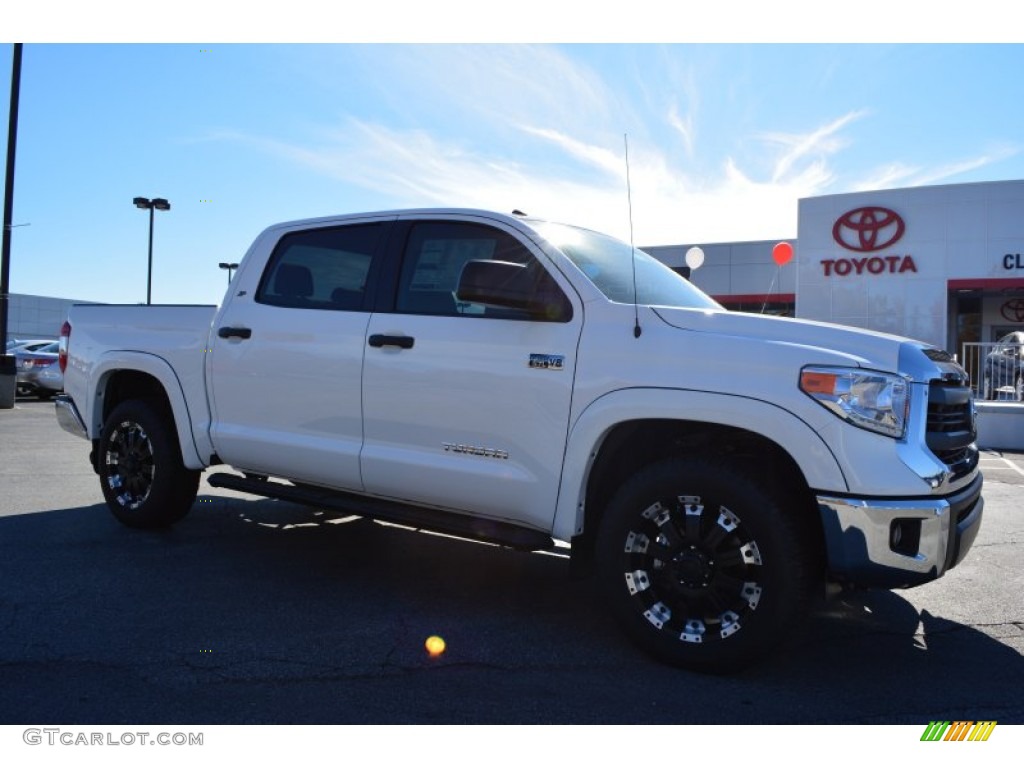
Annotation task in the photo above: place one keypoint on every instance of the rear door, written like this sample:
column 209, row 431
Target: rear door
column 466, row 407
column 286, row 362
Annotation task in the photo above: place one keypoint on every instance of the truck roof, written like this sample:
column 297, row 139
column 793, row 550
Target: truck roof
column 393, row 213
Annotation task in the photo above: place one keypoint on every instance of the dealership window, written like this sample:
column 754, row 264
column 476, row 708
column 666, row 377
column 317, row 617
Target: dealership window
column 982, row 313
column 781, row 305
column 966, row 306
column 779, row 308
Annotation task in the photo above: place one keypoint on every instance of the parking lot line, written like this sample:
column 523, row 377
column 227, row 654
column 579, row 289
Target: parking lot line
column 995, row 456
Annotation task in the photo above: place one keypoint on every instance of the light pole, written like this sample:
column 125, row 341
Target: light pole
column 156, row 204
column 230, row 267
column 8, row 372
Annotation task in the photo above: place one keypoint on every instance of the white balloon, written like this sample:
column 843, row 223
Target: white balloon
column 694, row 257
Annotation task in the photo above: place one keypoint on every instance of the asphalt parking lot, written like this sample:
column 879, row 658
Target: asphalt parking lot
column 253, row 611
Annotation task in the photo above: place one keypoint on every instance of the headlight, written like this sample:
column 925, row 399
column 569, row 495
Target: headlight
column 875, row 401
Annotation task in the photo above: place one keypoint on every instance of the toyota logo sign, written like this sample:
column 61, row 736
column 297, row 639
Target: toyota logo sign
column 1013, row 310
column 868, row 229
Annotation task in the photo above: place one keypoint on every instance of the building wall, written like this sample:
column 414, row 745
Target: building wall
column 36, row 317
column 742, row 269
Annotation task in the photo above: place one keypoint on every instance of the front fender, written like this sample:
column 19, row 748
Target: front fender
column 597, row 420
column 141, row 362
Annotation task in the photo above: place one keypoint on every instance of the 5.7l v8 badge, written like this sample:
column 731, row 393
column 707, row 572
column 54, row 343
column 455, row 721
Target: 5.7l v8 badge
column 551, row 362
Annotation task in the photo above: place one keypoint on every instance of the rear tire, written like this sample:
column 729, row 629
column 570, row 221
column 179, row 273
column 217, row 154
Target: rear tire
column 700, row 565
column 144, row 481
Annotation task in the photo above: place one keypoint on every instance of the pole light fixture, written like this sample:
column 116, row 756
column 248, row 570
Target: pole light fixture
column 156, row 204
column 230, row 267
column 8, row 372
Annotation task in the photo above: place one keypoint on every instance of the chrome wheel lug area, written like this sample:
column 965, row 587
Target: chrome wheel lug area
column 692, row 568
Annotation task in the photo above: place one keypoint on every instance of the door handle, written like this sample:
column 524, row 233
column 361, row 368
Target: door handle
column 227, row 332
column 380, row 340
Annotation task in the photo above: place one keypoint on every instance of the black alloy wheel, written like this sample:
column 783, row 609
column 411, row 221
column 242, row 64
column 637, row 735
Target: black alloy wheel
column 128, row 461
column 701, row 567
column 693, row 572
column 143, row 478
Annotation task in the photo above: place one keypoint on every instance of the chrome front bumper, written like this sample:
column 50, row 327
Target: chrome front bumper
column 899, row 543
column 69, row 418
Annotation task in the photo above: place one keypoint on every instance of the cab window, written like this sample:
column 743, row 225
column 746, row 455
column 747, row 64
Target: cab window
column 433, row 259
column 321, row 268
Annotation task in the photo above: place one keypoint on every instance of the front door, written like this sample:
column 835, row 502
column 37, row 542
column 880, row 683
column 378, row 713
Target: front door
column 467, row 407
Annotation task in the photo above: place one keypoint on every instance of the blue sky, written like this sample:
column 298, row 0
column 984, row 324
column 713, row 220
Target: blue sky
column 723, row 140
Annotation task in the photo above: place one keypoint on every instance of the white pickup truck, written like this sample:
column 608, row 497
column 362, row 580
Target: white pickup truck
column 525, row 382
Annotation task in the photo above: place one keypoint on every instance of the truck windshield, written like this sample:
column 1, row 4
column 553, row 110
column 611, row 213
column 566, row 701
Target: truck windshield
column 608, row 263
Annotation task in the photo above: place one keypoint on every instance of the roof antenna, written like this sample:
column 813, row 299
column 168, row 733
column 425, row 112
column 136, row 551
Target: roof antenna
column 632, row 248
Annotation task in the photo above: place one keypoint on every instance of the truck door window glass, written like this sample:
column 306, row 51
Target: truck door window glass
column 436, row 252
column 321, row 268
column 611, row 264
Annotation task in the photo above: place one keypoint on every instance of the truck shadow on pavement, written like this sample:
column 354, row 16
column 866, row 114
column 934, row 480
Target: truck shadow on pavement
column 265, row 612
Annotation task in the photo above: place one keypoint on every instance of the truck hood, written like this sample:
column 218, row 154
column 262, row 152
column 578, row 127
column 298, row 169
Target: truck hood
column 862, row 348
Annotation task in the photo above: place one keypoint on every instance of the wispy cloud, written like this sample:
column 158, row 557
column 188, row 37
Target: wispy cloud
column 889, row 175
column 536, row 128
column 601, row 158
column 899, row 174
column 952, row 170
column 819, row 143
column 494, row 86
column 533, row 128
column 669, row 205
column 683, row 126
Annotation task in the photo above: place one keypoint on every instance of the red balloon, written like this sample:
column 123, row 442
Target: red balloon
column 782, row 253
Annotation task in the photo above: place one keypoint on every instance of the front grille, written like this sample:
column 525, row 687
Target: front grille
column 951, row 431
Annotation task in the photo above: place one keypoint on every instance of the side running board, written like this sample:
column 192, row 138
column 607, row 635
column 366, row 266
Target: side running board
column 479, row 529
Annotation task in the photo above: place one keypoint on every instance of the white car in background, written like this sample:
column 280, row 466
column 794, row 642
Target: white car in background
column 38, row 371
column 23, row 345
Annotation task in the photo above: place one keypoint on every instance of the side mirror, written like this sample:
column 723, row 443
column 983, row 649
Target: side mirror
column 496, row 284
column 516, row 287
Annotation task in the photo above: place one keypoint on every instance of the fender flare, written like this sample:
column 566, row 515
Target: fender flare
column 155, row 366
column 590, row 429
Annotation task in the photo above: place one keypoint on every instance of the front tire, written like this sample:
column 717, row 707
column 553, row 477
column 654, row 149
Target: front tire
column 700, row 565
column 144, row 481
